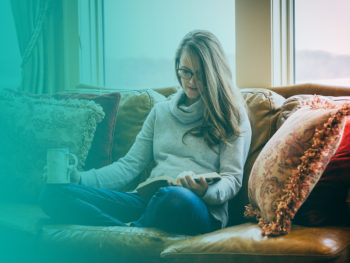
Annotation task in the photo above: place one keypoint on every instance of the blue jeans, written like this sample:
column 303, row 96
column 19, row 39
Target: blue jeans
column 172, row 209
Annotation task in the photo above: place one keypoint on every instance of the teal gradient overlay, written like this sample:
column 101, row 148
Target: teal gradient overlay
column 19, row 213
column 23, row 157
column 139, row 48
column 10, row 58
column 10, row 76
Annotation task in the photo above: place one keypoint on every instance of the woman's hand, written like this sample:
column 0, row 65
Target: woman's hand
column 75, row 176
column 199, row 187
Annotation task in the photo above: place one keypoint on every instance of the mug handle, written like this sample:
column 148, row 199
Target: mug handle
column 75, row 164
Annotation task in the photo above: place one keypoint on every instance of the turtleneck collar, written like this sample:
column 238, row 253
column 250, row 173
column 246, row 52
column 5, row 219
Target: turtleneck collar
column 186, row 114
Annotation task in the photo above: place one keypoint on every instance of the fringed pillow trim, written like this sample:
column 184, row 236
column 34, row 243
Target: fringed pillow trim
column 251, row 211
column 296, row 191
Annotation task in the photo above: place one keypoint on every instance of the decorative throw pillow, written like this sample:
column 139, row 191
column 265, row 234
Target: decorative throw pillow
column 32, row 125
column 100, row 153
column 291, row 104
column 326, row 204
column 291, row 163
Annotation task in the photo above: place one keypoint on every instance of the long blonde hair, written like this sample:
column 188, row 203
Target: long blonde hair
column 223, row 101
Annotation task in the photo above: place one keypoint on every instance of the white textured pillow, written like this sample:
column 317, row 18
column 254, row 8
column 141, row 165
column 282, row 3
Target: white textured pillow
column 30, row 126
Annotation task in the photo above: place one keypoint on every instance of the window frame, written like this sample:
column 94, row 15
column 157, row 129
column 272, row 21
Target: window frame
column 264, row 43
column 283, row 45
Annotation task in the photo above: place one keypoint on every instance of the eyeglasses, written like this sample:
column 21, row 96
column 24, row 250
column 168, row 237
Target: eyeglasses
column 187, row 74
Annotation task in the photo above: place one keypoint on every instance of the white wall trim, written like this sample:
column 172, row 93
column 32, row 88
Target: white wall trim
column 253, row 43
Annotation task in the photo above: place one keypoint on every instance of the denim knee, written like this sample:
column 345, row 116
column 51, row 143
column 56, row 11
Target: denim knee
column 177, row 209
column 177, row 199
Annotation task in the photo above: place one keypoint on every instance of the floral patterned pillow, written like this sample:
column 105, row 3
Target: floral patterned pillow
column 32, row 125
column 291, row 163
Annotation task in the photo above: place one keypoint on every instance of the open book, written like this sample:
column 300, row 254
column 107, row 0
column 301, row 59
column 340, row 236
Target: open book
column 149, row 187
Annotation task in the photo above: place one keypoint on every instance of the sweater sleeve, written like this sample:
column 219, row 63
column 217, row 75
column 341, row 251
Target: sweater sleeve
column 232, row 160
column 120, row 173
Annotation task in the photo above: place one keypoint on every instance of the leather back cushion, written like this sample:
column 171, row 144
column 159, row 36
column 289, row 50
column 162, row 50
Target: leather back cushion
column 133, row 109
column 264, row 111
column 132, row 112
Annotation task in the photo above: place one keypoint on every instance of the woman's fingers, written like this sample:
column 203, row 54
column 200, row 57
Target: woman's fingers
column 203, row 182
column 184, row 182
column 185, row 179
column 191, row 183
column 199, row 187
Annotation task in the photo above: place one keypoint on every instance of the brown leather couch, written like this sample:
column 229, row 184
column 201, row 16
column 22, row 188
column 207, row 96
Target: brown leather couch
column 26, row 236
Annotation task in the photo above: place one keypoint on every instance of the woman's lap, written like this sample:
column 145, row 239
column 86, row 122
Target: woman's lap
column 172, row 209
column 83, row 204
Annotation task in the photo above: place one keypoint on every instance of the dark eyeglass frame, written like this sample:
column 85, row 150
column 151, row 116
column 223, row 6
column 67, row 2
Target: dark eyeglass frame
column 185, row 73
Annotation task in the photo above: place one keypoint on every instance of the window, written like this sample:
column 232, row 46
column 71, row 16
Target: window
column 141, row 37
column 322, row 42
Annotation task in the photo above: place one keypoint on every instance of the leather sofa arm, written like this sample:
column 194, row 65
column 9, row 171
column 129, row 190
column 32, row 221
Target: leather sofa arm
column 244, row 243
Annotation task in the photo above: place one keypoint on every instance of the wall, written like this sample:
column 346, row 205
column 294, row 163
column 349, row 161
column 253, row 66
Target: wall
column 253, row 43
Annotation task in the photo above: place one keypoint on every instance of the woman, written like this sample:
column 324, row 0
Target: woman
column 203, row 128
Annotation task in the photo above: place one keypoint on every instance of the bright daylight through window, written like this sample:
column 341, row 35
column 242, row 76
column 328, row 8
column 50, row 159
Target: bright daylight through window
column 141, row 38
column 322, row 42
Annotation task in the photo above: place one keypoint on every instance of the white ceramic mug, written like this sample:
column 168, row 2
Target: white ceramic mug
column 58, row 165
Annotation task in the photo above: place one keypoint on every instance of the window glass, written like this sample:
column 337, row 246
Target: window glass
column 322, row 41
column 141, row 37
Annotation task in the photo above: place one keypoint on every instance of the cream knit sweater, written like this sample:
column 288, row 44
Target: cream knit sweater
column 160, row 139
